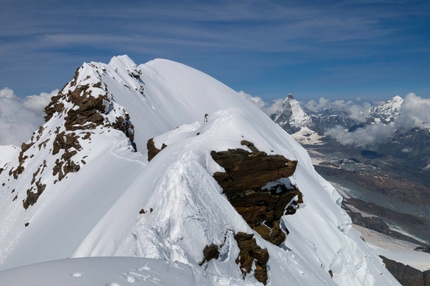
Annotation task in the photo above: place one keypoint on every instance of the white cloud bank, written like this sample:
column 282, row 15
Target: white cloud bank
column 355, row 111
column 20, row 117
column 268, row 108
column 414, row 113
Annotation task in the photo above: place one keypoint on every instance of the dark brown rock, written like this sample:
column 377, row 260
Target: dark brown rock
column 152, row 150
column 246, row 174
column 21, row 159
column 69, row 143
column 250, row 253
column 210, row 252
column 407, row 275
column 33, row 197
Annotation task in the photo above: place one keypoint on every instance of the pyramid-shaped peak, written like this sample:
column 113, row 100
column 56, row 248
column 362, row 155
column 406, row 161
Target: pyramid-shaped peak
column 289, row 98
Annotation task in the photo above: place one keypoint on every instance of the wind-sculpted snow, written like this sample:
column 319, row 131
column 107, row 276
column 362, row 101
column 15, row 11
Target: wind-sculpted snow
column 171, row 208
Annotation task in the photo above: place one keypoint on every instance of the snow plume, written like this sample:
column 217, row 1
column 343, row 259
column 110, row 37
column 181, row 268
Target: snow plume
column 414, row 113
column 268, row 108
column 20, row 117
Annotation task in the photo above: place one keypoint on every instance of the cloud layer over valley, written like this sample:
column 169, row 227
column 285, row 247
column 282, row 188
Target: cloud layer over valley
column 414, row 113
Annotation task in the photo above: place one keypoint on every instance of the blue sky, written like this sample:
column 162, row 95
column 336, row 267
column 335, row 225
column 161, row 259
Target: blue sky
column 333, row 49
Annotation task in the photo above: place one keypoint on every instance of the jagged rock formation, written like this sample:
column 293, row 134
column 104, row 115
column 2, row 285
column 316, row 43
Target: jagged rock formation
column 83, row 106
column 407, row 275
column 152, row 150
column 245, row 183
column 251, row 255
column 210, row 252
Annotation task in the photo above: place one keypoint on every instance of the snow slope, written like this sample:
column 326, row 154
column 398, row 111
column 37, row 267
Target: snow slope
column 110, row 271
column 169, row 209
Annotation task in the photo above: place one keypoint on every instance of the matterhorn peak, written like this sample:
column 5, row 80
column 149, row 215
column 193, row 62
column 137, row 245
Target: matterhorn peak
column 289, row 98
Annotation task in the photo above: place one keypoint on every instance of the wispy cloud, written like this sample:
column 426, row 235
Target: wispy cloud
column 334, row 33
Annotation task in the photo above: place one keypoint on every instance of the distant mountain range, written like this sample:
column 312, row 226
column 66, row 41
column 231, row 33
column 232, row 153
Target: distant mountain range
column 380, row 160
column 409, row 146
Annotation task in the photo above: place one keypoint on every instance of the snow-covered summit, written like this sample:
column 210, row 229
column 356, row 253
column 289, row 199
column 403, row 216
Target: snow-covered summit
column 83, row 186
column 387, row 111
column 293, row 115
column 293, row 119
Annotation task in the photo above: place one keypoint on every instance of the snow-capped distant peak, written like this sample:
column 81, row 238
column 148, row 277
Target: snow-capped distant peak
column 292, row 117
column 387, row 111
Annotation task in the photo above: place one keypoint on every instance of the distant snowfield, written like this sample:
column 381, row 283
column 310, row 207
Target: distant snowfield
column 394, row 249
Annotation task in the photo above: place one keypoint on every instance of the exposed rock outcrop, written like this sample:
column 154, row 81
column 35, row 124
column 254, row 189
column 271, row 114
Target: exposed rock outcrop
column 152, row 150
column 251, row 254
column 210, row 252
column 81, row 109
column 21, row 159
column 245, row 183
column 88, row 112
column 32, row 197
column 407, row 275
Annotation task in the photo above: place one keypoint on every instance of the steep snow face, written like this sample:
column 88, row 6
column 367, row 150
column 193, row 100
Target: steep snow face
column 299, row 118
column 119, row 204
column 387, row 111
column 67, row 175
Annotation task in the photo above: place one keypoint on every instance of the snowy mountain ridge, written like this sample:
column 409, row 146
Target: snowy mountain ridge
column 387, row 111
column 78, row 188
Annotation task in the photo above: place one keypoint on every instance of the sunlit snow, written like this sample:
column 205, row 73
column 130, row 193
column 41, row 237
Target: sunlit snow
column 97, row 211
